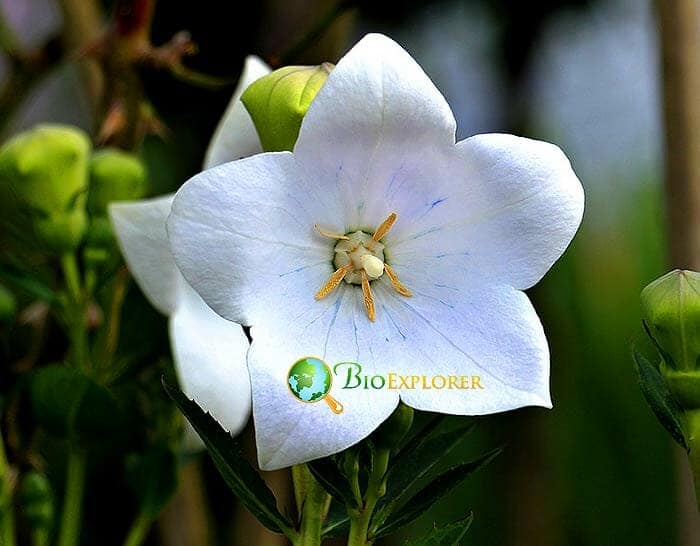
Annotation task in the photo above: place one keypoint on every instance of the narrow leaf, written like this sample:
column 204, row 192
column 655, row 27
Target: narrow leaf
column 448, row 535
column 28, row 283
column 434, row 491
column 332, row 480
column 406, row 471
column 660, row 399
column 337, row 523
column 238, row 474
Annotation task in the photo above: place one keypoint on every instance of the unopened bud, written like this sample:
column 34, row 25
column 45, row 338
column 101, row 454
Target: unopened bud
column 36, row 499
column 115, row 176
column 278, row 102
column 43, row 174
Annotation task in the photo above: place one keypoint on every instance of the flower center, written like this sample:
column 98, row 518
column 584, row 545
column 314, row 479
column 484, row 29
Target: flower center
column 365, row 254
column 359, row 259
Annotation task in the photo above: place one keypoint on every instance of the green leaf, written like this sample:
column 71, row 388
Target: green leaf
column 409, row 467
column 337, row 522
column 660, row 399
column 152, row 477
column 28, row 283
column 430, row 425
column 332, row 479
column 68, row 403
column 448, row 535
column 238, row 474
column 434, row 491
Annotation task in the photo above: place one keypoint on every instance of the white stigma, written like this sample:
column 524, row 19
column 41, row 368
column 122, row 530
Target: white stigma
column 364, row 254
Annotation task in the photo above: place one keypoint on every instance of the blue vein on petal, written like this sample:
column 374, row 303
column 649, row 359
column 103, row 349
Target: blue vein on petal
column 330, row 326
column 391, row 319
column 457, row 347
column 299, row 269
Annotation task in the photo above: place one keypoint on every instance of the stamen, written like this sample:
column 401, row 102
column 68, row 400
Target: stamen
column 384, row 227
column 396, row 283
column 329, row 234
column 334, row 280
column 368, row 297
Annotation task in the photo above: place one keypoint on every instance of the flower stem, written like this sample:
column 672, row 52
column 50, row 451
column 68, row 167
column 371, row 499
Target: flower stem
column 7, row 518
column 139, row 531
column 312, row 503
column 75, row 311
column 693, row 423
column 361, row 517
column 73, row 499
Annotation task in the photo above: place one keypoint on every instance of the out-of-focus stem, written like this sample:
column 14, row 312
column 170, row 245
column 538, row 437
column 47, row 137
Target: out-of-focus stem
column 139, row 531
column 680, row 59
column 7, row 518
column 71, row 517
column 680, row 56
column 693, row 425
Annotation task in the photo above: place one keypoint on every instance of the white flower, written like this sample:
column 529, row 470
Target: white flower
column 464, row 228
column 209, row 351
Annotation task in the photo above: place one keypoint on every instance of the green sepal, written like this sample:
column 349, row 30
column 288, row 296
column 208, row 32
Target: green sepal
column 278, row 102
column 447, row 535
column 434, row 491
column 152, row 477
column 410, row 466
column 226, row 452
column 332, row 479
column 115, row 175
column 660, row 399
column 69, row 404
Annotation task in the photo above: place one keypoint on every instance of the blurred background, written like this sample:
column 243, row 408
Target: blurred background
column 585, row 74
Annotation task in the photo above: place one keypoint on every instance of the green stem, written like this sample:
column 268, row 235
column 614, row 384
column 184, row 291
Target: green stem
column 312, row 503
column 139, row 531
column 361, row 517
column 73, row 499
column 75, row 311
column 693, row 423
column 7, row 518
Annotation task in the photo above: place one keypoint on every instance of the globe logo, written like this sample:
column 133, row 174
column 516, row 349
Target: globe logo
column 310, row 380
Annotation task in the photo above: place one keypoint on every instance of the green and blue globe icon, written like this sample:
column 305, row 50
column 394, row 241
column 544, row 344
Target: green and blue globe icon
column 310, row 381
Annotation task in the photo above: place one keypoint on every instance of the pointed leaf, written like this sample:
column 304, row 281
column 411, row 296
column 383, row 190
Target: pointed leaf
column 337, row 523
column 331, row 477
column 434, row 491
column 238, row 474
column 448, row 535
column 406, row 470
column 660, row 399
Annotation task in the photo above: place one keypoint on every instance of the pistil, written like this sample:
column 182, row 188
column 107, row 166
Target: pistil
column 359, row 258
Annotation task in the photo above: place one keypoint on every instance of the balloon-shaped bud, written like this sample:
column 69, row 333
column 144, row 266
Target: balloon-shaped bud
column 671, row 314
column 278, row 102
column 115, row 176
column 43, row 176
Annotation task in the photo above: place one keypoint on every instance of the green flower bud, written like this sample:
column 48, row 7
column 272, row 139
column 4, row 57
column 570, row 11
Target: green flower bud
column 100, row 233
column 8, row 305
column 392, row 431
column 671, row 313
column 115, row 176
column 43, row 174
column 36, row 500
column 278, row 102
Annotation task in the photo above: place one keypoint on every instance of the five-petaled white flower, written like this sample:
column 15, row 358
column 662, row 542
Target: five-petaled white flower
column 381, row 241
column 209, row 351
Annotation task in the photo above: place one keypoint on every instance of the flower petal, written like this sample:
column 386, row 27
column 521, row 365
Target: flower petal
column 210, row 360
column 242, row 233
column 140, row 230
column 512, row 209
column 235, row 136
column 373, row 123
column 289, row 431
column 492, row 332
